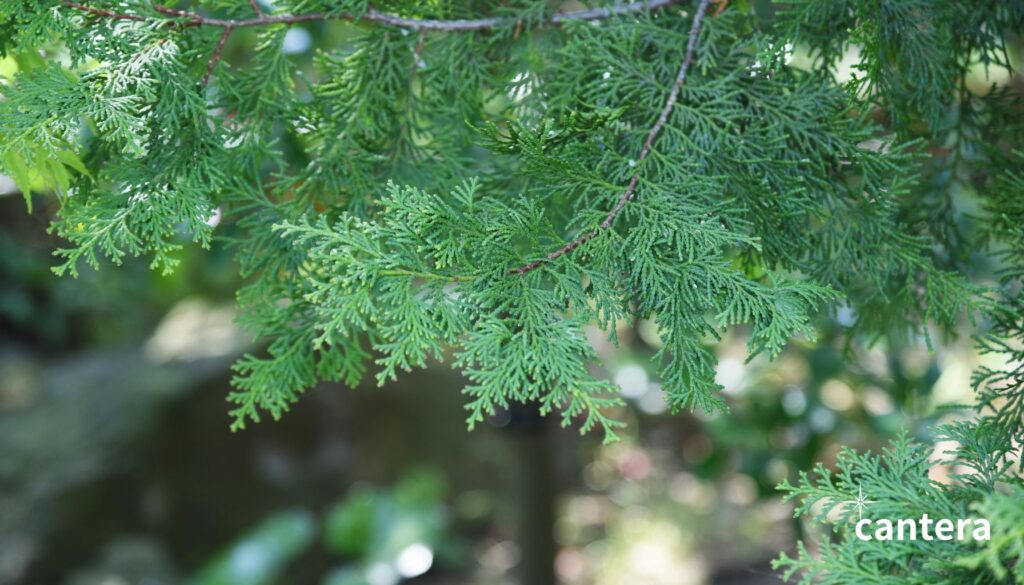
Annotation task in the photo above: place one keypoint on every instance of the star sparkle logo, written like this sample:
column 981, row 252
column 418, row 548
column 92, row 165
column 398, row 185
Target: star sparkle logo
column 861, row 502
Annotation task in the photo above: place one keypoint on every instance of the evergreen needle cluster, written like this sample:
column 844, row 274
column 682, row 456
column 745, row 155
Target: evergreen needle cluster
column 489, row 182
column 915, row 64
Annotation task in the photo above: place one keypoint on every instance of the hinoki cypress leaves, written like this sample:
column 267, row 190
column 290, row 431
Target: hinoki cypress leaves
column 483, row 182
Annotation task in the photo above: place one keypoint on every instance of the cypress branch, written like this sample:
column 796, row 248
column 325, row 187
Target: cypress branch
column 652, row 135
column 390, row 197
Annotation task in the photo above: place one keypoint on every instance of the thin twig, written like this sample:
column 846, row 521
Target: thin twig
column 373, row 15
column 195, row 19
column 215, row 57
column 648, row 144
column 602, row 13
column 256, row 7
column 102, row 12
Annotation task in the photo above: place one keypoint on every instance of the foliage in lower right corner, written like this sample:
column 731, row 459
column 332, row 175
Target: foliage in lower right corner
column 897, row 483
column 1003, row 556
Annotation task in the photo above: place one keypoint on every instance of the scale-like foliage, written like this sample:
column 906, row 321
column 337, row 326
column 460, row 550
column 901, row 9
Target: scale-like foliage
column 484, row 182
column 491, row 183
column 1001, row 555
column 897, row 484
column 916, row 59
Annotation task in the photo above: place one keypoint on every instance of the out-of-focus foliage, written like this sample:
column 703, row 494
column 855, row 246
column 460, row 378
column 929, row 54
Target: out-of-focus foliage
column 1001, row 555
column 384, row 535
column 395, row 532
column 387, row 535
column 260, row 557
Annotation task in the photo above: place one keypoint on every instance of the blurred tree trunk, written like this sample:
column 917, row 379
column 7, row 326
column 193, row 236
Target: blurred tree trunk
column 536, row 493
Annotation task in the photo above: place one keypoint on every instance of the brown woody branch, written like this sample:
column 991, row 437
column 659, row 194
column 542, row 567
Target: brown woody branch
column 371, row 15
column 422, row 25
column 102, row 12
column 628, row 193
column 215, row 57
